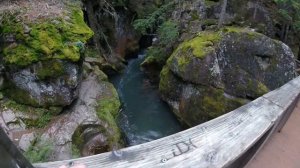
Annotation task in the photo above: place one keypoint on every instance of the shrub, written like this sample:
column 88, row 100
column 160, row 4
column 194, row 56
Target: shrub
column 168, row 32
column 149, row 23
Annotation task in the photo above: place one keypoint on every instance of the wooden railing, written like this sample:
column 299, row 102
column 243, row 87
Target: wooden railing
column 230, row 140
column 227, row 141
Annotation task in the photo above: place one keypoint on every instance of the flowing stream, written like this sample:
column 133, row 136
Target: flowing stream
column 145, row 117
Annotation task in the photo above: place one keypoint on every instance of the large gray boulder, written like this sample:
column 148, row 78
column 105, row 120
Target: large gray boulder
column 45, row 84
column 217, row 72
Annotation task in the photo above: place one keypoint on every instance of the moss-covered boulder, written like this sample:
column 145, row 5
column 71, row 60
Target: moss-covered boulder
column 41, row 55
column 216, row 72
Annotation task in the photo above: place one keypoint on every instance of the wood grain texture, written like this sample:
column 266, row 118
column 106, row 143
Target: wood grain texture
column 216, row 143
column 283, row 149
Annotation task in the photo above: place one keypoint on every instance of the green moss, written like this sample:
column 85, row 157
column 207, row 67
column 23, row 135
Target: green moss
column 40, row 122
column 250, row 34
column 50, row 39
column 210, row 4
column 107, row 111
column 164, row 74
column 78, row 139
column 199, row 47
column 92, row 52
column 28, row 109
column 79, row 31
column 214, row 103
column 50, row 69
column 75, row 152
column 183, row 62
column 19, row 54
column 207, row 104
column 256, row 88
column 262, row 89
column 39, row 153
column 209, row 22
column 11, row 25
column 71, row 53
column 43, row 115
column 194, row 15
column 18, row 94
column 202, row 44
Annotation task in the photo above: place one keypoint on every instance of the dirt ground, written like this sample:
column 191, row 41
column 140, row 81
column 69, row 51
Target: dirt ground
column 33, row 9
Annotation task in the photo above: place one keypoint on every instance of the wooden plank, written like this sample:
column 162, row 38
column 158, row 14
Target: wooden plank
column 282, row 150
column 216, row 143
column 201, row 146
column 286, row 94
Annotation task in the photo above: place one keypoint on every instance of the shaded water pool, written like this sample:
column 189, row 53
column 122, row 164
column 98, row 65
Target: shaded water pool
column 144, row 116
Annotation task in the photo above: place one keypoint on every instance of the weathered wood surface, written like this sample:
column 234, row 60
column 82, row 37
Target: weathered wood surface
column 213, row 144
column 283, row 148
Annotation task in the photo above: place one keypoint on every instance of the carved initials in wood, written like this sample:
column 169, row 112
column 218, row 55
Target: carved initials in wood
column 183, row 147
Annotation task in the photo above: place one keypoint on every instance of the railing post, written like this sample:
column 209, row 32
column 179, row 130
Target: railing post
column 12, row 151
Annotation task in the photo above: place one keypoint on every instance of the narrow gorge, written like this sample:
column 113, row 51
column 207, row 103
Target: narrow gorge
column 79, row 78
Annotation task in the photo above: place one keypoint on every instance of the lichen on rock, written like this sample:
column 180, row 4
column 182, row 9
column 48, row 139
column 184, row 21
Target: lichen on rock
column 46, row 39
column 215, row 72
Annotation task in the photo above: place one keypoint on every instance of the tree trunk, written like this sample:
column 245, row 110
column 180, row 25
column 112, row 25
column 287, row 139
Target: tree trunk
column 222, row 14
column 255, row 10
column 298, row 53
column 287, row 29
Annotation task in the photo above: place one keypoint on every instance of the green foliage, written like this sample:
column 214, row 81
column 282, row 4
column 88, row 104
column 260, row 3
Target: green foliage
column 50, row 39
column 39, row 153
column 40, row 116
column 28, row 109
column 92, row 52
column 285, row 14
column 153, row 20
column 168, row 32
column 154, row 55
column 40, row 122
column 290, row 12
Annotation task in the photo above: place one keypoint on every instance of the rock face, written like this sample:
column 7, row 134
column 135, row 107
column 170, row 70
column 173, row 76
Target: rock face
column 32, row 86
column 89, row 124
column 190, row 14
column 217, row 72
column 41, row 56
column 114, row 34
column 263, row 16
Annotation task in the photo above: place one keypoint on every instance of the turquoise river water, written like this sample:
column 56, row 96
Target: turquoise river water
column 144, row 116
